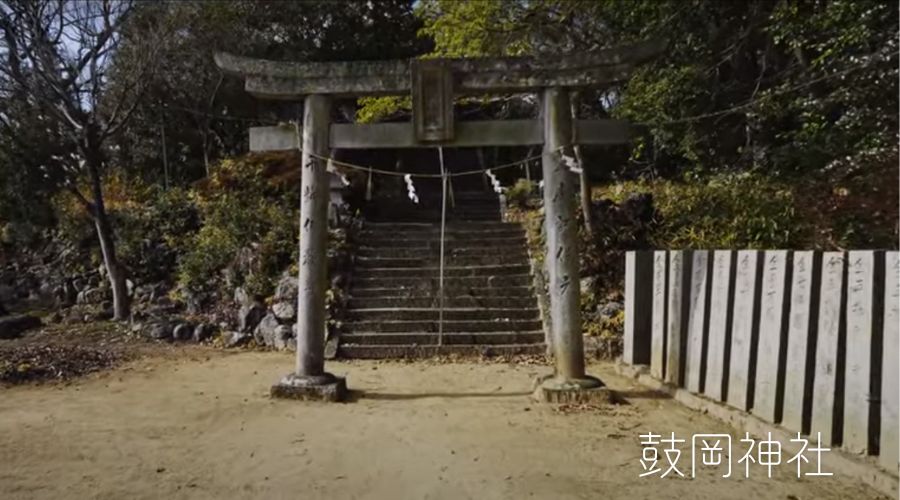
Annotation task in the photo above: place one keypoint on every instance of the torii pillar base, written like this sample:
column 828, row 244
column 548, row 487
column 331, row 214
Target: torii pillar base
column 325, row 387
column 587, row 390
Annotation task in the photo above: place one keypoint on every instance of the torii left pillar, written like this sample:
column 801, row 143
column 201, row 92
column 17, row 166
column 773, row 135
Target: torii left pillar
column 310, row 380
column 569, row 383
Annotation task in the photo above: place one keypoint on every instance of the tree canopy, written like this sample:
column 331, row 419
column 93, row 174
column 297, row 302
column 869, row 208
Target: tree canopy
column 786, row 87
column 781, row 85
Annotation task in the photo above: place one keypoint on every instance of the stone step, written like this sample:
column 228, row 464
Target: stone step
column 434, row 199
column 451, row 260
column 433, row 272
column 432, row 282
column 434, row 205
column 491, row 338
column 380, row 237
column 434, row 243
column 415, row 326
column 425, row 289
column 449, row 302
column 455, row 314
column 418, row 352
column 433, row 252
column 433, row 231
column 429, row 203
column 466, row 227
column 437, row 219
column 490, row 307
column 413, row 209
column 436, row 194
column 417, row 214
column 401, row 240
column 461, row 207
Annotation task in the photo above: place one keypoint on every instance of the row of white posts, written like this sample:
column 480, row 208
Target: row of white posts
column 804, row 339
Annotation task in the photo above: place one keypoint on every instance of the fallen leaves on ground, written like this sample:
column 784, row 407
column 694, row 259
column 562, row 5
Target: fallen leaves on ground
column 29, row 363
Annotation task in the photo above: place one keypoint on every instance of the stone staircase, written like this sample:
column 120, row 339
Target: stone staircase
column 490, row 306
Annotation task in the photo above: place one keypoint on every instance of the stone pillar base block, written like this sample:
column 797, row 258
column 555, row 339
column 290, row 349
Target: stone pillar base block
column 587, row 390
column 325, row 387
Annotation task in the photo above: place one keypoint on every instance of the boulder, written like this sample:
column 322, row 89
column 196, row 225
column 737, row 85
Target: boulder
column 249, row 316
column 241, row 297
column 45, row 290
column 69, row 293
column 12, row 327
column 265, row 331
column 203, row 331
column 286, row 289
column 235, row 339
column 183, row 332
column 283, row 337
column 7, row 293
column 159, row 330
column 284, row 311
column 194, row 302
column 588, row 284
column 165, row 302
column 331, row 347
column 93, row 295
column 609, row 309
column 639, row 207
column 42, row 295
column 157, row 292
column 105, row 313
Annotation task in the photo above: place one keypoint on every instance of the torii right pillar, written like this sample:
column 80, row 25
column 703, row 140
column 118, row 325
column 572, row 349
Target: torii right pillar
column 569, row 383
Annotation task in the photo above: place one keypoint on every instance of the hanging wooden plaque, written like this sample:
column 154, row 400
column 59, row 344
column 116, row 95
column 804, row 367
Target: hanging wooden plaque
column 432, row 99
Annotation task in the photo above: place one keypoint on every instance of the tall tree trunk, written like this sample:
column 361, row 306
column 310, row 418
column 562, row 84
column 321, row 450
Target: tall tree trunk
column 583, row 176
column 114, row 270
column 165, row 154
column 585, row 192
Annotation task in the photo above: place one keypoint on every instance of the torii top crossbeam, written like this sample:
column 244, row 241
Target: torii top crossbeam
column 433, row 84
column 292, row 80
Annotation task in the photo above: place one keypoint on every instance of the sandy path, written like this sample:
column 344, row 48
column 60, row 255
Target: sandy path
column 195, row 428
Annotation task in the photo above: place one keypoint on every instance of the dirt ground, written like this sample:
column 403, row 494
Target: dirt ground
column 199, row 424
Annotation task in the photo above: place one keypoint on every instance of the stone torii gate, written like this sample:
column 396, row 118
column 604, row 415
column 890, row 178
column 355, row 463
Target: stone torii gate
column 433, row 84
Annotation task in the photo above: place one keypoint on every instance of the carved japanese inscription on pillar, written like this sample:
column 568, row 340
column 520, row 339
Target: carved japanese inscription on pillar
column 432, row 99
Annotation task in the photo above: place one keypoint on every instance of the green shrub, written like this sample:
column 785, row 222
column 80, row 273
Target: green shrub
column 152, row 231
column 519, row 194
column 249, row 228
column 238, row 227
column 746, row 210
column 150, row 225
